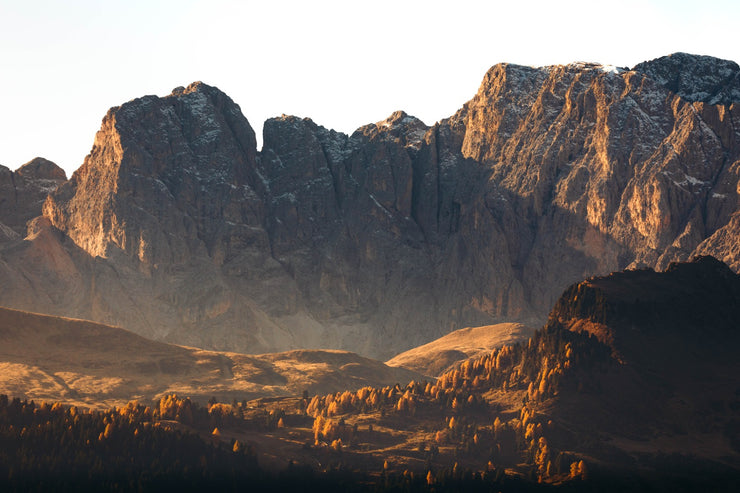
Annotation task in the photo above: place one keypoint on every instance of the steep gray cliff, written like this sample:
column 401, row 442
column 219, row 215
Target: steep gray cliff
column 177, row 228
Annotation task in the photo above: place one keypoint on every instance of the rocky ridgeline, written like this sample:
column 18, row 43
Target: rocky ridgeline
column 394, row 235
column 699, row 297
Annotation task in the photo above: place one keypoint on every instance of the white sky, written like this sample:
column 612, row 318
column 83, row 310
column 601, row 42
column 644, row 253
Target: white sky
column 341, row 63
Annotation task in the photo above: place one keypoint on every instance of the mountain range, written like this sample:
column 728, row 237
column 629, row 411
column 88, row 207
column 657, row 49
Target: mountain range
column 177, row 228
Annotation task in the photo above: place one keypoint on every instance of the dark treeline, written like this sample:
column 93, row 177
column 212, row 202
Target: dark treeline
column 52, row 447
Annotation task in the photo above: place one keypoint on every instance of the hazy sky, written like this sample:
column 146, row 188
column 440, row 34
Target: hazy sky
column 343, row 63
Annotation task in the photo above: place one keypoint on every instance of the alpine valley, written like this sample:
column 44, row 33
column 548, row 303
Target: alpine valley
column 598, row 204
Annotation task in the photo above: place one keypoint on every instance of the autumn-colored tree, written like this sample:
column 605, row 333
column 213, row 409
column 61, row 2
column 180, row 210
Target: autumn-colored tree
column 108, row 431
column 578, row 470
column 439, row 437
column 582, row 470
column 332, row 409
column 430, row 478
column 313, row 406
column 318, row 427
column 497, row 425
column 542, row 457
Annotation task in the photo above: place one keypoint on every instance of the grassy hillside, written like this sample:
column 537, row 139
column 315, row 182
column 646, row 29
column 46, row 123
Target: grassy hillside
column 440, row 355
column 94, row 365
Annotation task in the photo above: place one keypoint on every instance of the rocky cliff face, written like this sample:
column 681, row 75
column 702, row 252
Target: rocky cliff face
column 23, row 192
column 176, row 227
column 168, row 179
column 609, row 168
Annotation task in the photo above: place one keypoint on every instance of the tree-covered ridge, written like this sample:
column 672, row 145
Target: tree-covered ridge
column 631, row 370
column 482, row 432
column 702, row 295
column 178, row 440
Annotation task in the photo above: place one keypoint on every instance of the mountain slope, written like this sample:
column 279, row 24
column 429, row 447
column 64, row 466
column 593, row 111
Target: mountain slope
column 638, row 369
column 81, row 362
column 178, row 229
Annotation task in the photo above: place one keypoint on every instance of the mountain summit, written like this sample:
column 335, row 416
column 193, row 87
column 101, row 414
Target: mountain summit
column 696, row 78
column 165, row 179
column 177, row 228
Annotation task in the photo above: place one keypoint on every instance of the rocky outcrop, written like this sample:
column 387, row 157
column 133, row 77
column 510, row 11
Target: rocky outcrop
column 177, row 228
column 167, row 179
column 690, row 296
column 23, row 192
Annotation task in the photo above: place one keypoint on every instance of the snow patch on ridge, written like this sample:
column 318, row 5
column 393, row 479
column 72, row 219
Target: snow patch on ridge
column 607, row 69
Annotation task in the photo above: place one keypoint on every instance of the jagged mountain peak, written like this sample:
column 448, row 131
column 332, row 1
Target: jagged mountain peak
column 696, row 78
column 197, row 86
column 515, row 73
column 399, row 126
column 22, row 193
column 292, row 121
column 294, row 134
column 501, row 72
column 584, row 66
column 399, row 118
column 191, row 153
column 200, row 110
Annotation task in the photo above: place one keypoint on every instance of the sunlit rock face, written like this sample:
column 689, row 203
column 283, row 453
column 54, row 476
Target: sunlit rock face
column 177, row 228
column 167, row 179
column 597, row 168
